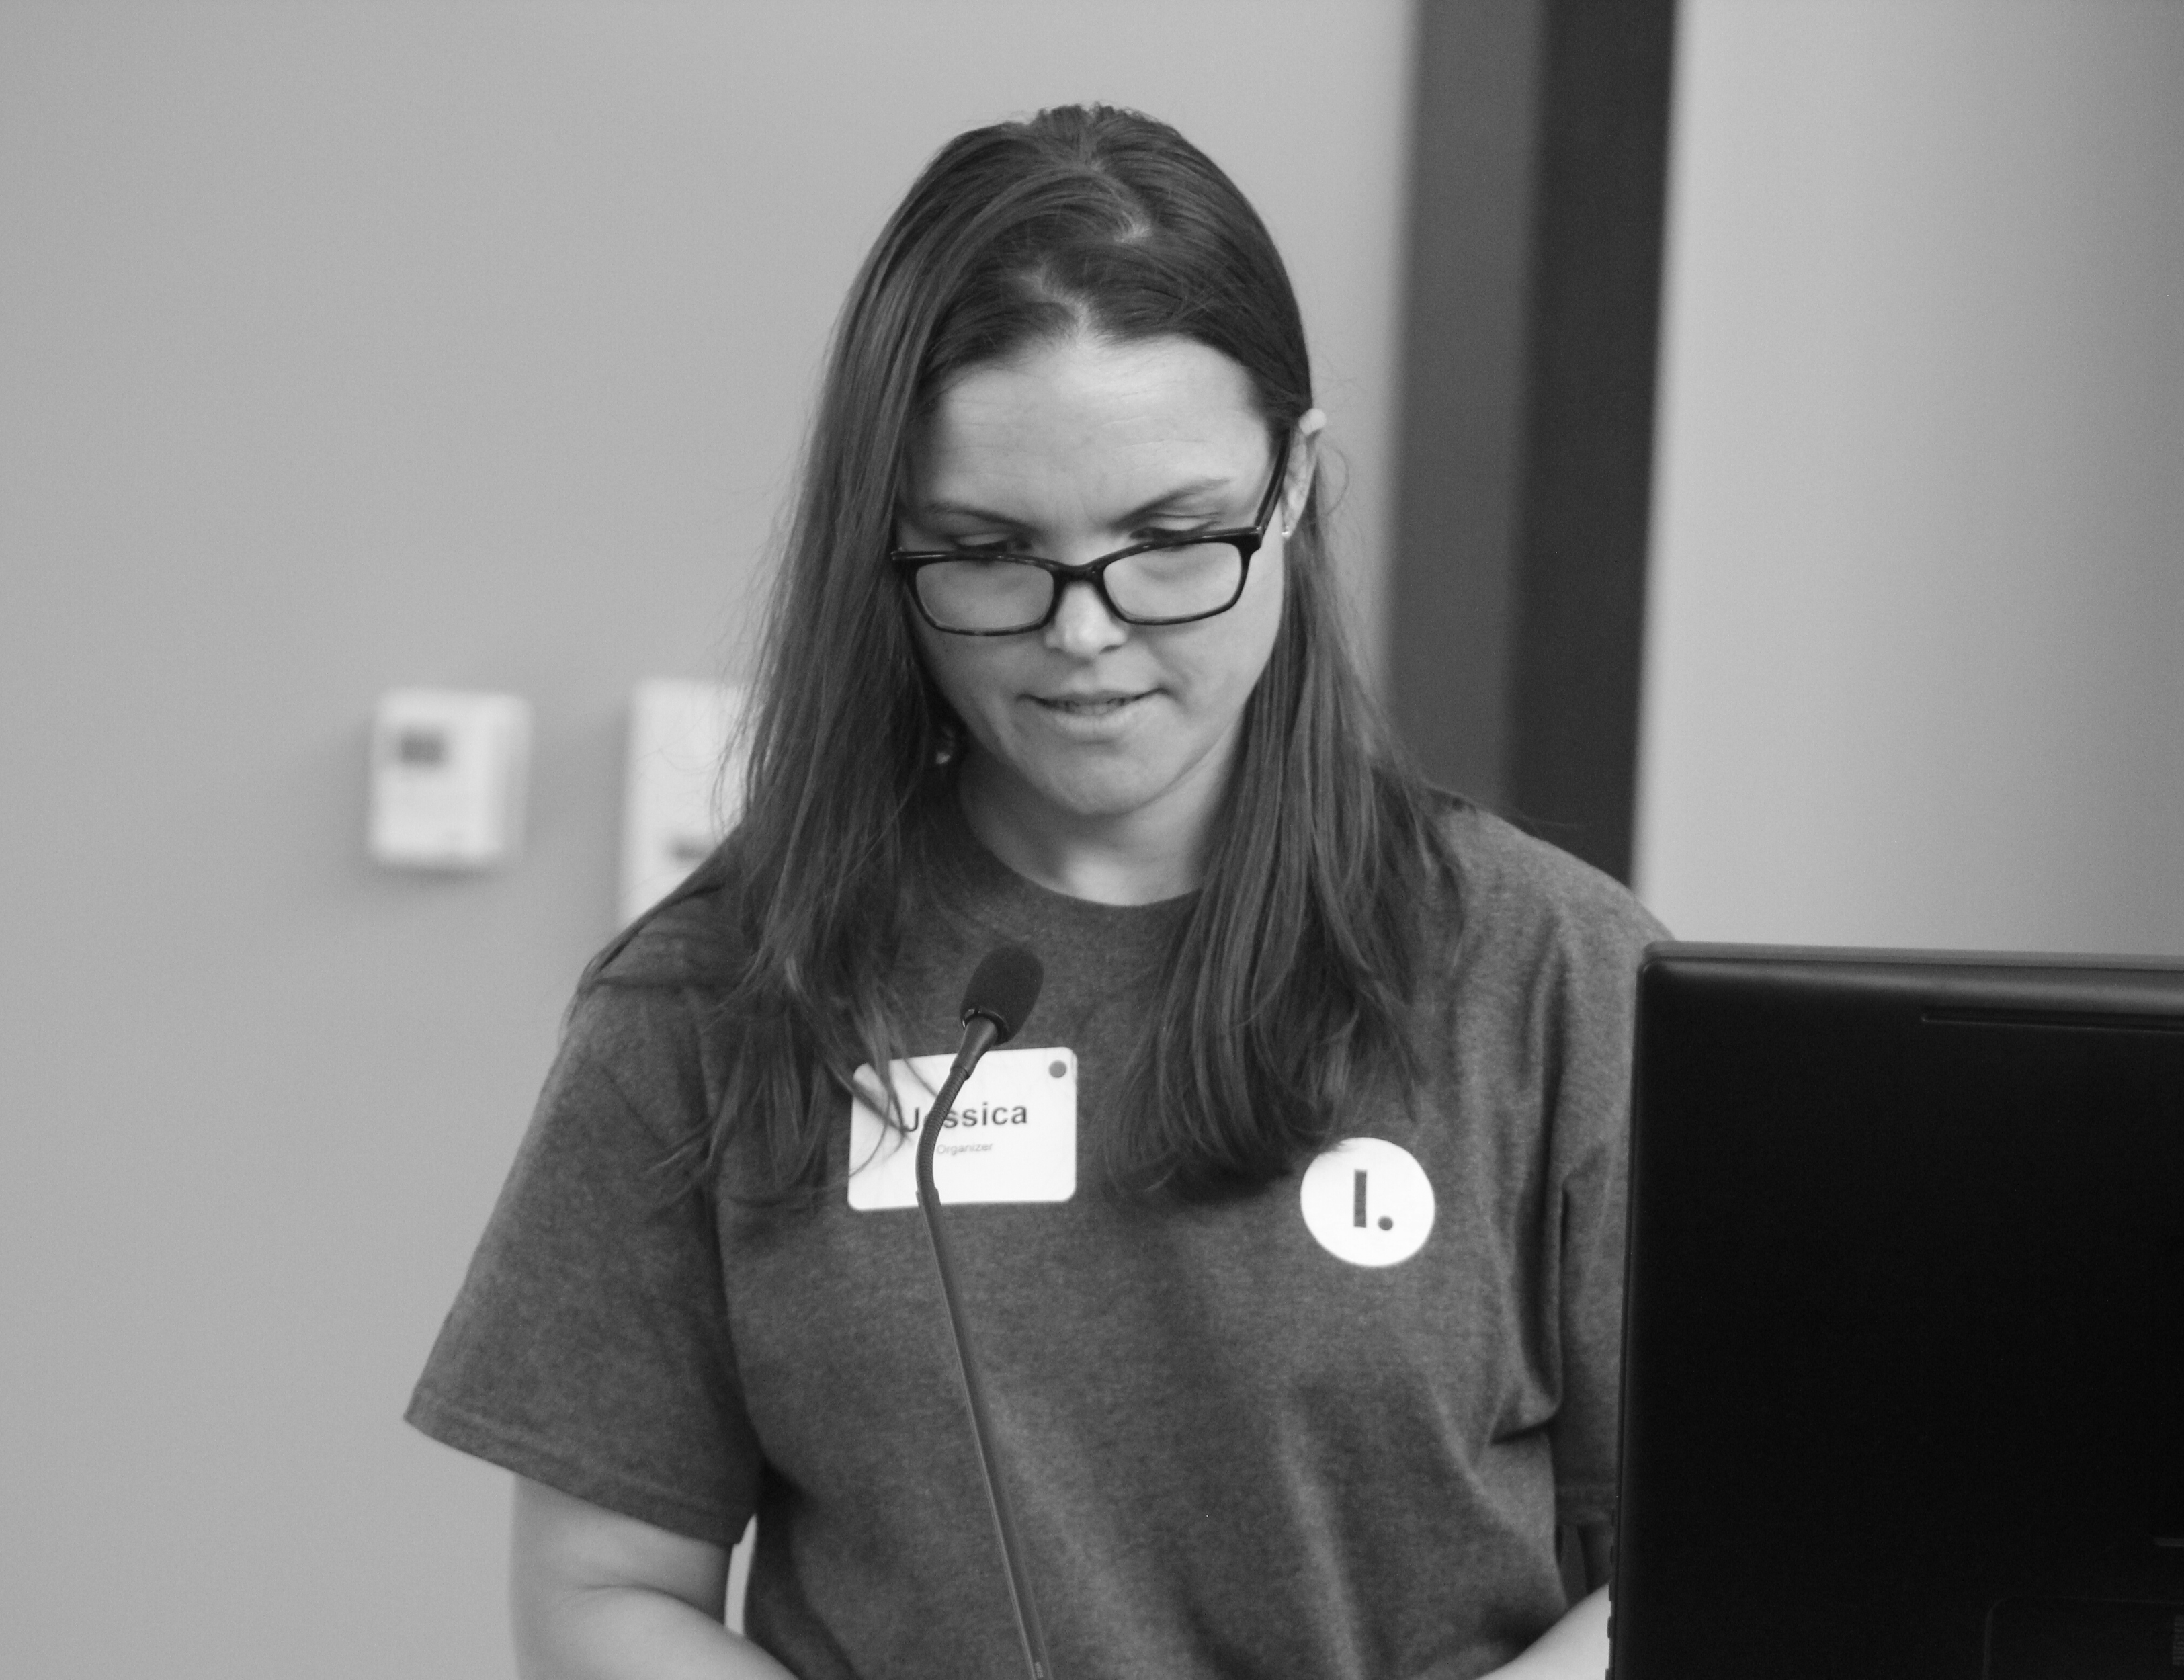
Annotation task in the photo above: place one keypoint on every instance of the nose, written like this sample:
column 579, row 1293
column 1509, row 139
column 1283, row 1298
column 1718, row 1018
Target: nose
column 1082, row 625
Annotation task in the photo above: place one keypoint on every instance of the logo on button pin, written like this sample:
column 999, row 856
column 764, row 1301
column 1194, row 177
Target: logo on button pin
column 1367, row 1201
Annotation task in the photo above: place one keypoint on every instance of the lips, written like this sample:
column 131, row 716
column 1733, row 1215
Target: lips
column 1102, row 703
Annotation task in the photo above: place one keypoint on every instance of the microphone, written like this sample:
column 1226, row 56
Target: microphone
column 995, row 1004
column 998, row 1001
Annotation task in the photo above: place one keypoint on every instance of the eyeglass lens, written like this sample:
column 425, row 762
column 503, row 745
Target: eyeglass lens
column 1189, row 580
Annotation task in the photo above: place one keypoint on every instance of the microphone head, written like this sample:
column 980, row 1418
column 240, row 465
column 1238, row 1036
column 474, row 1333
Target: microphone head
column 1003, row 989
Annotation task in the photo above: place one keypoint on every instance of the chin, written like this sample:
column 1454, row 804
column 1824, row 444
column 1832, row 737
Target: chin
column 1104, row 799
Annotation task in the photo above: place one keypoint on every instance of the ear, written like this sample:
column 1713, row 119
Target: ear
column 1304, row 462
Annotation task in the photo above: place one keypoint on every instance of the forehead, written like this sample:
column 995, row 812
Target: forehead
column 1090, row 414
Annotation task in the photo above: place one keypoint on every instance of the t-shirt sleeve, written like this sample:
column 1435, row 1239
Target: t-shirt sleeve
column 588, row 1347
column 1590, row 1166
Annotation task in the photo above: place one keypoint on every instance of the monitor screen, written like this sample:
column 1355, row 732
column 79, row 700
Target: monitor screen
column 1904, row 1337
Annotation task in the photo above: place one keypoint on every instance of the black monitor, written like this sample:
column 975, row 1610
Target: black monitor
column 1903, row 1381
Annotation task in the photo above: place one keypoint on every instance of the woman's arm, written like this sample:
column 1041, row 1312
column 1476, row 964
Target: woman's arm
column 1573, row 1649
column 599, row 1596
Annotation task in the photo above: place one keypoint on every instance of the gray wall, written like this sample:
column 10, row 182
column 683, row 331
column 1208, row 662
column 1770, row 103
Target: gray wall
column 1915, row 673
column 344, row 347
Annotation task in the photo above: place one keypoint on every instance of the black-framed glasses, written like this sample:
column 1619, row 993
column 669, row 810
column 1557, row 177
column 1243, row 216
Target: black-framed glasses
column 1167, row 580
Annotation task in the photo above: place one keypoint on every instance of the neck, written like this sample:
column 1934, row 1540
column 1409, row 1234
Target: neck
column 1140, row 857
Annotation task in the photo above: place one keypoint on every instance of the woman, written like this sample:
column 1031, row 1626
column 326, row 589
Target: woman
column 1055, row 658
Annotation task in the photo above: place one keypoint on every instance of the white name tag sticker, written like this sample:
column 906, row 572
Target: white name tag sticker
column 1012, row 1136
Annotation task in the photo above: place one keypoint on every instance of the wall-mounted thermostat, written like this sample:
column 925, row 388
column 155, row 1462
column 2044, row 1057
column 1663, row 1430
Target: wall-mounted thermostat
column 684, row 792
column 447, row 774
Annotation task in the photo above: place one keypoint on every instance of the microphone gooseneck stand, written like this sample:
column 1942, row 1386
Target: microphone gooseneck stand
column 999, row 998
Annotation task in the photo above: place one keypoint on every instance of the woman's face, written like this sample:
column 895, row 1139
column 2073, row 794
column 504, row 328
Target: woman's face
column 1070, row 451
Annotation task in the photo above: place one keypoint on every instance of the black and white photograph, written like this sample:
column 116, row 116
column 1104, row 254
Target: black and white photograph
column 1092, row 839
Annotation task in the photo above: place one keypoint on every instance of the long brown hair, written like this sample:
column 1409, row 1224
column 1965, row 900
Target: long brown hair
column 1291, row 975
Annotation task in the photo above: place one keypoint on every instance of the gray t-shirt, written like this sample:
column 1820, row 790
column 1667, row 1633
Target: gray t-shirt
column 1233, row 1451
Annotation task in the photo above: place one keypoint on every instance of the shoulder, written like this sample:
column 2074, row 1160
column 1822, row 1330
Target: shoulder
column 1526, row 905
column 1542, row 985
column 691, row 938
column 645, row 1016
column 700, row 935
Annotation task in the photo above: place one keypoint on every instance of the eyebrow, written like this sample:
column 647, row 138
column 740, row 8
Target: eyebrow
column 1181, row 493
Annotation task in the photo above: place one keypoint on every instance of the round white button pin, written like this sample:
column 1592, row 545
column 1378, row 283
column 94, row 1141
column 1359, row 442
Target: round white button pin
column 1369, row 1202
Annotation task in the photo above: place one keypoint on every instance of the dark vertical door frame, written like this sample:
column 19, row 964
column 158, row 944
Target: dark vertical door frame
column 1516, row 594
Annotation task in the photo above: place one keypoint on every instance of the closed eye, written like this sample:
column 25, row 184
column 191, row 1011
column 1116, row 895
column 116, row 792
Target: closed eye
column 1195, row 534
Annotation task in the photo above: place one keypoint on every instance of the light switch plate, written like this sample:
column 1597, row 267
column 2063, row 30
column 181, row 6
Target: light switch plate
column 683, row 793
column 448, row 770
